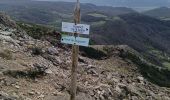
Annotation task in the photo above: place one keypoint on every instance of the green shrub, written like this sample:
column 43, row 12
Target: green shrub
column 6, row 54
column 36, row 51
column 92, row 53
column 36, row 31
column 152, row 72
column 108, row 50
column 31, row 73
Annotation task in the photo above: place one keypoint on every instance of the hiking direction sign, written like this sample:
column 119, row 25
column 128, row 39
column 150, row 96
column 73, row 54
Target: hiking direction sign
column 79, row 29
column 75, row 40
column 72, row 28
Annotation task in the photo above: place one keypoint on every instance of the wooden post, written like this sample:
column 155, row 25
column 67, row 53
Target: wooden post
column 75, row 52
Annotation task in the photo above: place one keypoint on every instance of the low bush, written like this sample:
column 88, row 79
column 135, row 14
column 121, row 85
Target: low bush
column 36, row 50
column 6, row 54
column 92, row 53
column 36, row 72
column 155, row 74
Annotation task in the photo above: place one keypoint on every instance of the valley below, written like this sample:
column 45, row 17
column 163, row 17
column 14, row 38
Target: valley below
column 128, row 57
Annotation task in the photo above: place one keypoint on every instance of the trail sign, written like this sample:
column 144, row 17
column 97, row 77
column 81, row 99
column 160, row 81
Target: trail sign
column 78, row 28
column 75, row 40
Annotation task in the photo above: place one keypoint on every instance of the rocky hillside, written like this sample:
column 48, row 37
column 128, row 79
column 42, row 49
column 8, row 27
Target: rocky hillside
column 32, row 69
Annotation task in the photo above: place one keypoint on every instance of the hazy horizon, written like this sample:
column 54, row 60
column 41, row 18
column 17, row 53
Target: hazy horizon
column 137, row 3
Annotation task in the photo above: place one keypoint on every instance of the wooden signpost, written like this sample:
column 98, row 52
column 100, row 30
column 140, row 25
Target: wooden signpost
column 76, row 28
column 75, row 51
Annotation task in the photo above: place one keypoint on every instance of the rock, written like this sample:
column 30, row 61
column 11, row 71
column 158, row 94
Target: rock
column 52, row 51
column 55, row 93
column 135, row 98
column 15, row 95
column 101, row 97
column 140, row 79
column 31, row 93
column 55, row 60
column 40, row 67
column 28, row 98
column 17, row 87
column 1, row 74
column 41, row 96
column 80, row 59
column 109, row 76
column 117, row 88
column 92, row 72
column 5, row 96
column 106, row 93
column 7, row 21
column 6, row 33
column 83, row 96
column 59, row 60
column 152, row 94
column 132, row 90
column 127, row 90
column 115, row 80
column 90, row 66
column 10, row 81
column 48, row 71
column 38, row 93
column 166, row 98
column 63, row 96
column 7, row 38
column 121, row 85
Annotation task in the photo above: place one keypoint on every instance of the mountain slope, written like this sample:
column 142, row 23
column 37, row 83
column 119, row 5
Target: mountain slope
column 36, row 69
column 145, row 34
column 109, row 25
column 134, row 29
column 161, row 13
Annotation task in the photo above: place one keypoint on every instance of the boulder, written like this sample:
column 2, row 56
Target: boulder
column 52, row 51
column 140, row 79
column 7, row 21
column 6, row 33
column 83, row 96
column 5, row 96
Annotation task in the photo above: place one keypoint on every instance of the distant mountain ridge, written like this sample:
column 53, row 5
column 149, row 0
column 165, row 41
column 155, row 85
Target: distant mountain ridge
column 49, row 12
column 161, row 13
column 136, row 30
column 121, row 24
column 126, row 3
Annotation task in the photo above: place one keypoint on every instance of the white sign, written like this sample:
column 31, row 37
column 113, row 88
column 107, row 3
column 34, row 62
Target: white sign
column 75, row 40
column 72, row 28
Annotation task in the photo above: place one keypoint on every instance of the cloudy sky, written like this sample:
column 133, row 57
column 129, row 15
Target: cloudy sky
column 128, row 3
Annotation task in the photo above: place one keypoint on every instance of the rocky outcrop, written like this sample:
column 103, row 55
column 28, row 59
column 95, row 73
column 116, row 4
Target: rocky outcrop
column 7, row 21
